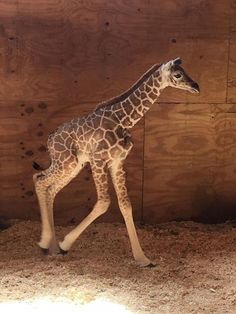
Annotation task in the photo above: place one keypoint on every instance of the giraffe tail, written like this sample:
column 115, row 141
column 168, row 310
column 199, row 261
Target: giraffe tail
column 37, row 166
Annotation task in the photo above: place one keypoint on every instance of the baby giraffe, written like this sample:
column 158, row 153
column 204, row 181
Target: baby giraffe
column 102, row 139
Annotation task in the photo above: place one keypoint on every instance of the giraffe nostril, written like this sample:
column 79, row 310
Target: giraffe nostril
column 195, row 86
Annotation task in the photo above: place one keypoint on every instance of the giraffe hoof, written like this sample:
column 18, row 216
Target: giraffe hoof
column 151, row 265
column 62, row 252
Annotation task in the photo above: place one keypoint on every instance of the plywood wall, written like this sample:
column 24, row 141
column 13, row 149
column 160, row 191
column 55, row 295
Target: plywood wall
column 59, row 58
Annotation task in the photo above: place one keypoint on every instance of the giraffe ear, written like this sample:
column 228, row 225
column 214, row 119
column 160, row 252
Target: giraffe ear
column 171, row 63
column 177, row 61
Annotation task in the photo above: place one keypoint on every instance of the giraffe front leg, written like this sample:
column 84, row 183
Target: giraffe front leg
column 118, row 179
column 100, row 177
column 100, row 208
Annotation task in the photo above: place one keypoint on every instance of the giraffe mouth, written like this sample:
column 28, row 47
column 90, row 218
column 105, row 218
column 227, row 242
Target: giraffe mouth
column 194, row 88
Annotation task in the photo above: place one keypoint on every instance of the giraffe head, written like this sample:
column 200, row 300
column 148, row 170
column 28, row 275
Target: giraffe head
column 175, row 76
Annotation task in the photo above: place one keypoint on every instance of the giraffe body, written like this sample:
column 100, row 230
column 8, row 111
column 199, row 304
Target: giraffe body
column 101, row 138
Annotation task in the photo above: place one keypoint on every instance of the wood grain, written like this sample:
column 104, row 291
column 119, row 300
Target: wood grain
column 232, row 19
column 178, row 157
column 9, row 60
column 90, row 51
column 231, row 90
column 231, row 97
column 59, row 58
column 189, row 162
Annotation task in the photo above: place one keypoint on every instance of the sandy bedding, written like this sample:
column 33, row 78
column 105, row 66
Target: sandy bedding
column 195, row 272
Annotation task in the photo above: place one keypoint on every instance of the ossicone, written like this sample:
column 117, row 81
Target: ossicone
column 177, row 61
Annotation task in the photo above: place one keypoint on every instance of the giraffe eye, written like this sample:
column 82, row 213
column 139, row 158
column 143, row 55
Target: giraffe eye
column 178, row 75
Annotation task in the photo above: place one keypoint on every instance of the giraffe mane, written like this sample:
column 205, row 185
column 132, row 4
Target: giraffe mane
column 128, row 92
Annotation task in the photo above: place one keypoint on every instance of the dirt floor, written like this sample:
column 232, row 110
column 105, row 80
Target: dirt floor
column 195, row 272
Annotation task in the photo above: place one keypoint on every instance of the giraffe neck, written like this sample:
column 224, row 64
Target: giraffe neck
column 140, row 99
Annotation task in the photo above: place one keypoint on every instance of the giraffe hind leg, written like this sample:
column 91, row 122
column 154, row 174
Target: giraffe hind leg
column 42, row 187
column 47, row 184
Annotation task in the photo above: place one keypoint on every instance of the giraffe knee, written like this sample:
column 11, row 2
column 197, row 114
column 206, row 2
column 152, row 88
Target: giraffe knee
column 102, row 205
column 125, row 203
column 125, row 207
column 105, row 205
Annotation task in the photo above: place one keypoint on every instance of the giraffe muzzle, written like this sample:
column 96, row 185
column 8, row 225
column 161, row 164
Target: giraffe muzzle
column 195, row 88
